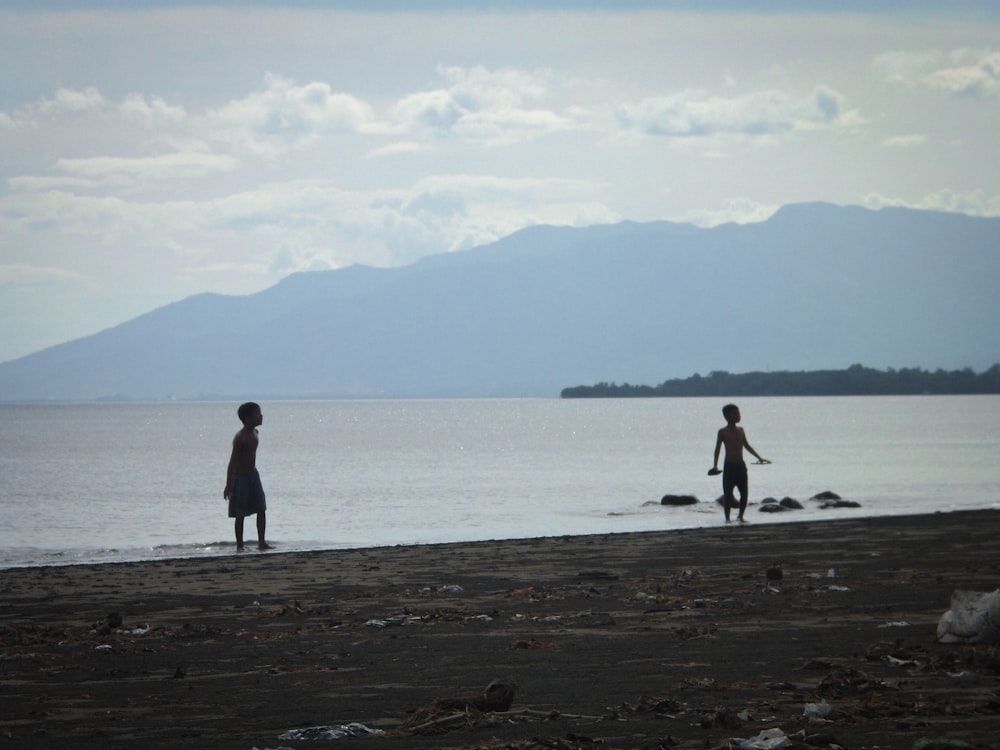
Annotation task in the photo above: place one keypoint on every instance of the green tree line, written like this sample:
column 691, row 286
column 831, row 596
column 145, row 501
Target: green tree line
column 856, row 380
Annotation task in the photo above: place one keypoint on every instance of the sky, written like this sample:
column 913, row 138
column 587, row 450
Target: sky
column 153, row 150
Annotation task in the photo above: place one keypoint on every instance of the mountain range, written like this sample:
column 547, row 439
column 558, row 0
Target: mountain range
column 814, row 286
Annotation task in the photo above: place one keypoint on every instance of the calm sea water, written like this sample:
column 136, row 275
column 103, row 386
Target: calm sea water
column 86, row 483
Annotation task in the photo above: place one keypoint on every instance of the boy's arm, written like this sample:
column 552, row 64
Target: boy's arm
column 230, row 468
column 718, row 449
column 746, row 444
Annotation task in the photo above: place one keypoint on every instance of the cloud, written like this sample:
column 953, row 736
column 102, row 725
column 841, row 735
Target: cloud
column 165, row 167
column 285, row 116
column 481, row 106
column 904, row 141
column 70, row 100
column 26, row 275
column 977, row 74
column 973, row 203
column 695, row 114
column 963, row 72
column 399, row 147
column 152, row 111
column 734, row 210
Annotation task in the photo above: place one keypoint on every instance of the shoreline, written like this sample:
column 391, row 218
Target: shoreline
column 621, row 640
column 222, row 549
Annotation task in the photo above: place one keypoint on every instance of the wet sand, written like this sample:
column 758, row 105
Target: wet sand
column 645, row 640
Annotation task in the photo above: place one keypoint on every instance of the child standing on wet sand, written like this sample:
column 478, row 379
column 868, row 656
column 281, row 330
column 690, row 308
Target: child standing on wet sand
column 243, row 488
column 734, row 471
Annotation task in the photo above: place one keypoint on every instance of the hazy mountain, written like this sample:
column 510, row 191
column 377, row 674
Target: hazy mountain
column 816, row 286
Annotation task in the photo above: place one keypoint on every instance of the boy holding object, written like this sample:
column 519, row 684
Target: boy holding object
column 734, row 471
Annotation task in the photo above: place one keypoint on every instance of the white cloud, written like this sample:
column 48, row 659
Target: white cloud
column 26, row 275
column 481, row 106
column 973, row 202
column 164, row 167
column 761, row 114
column 152, row 111
column 399, row 147
column 285, row 116
column 904, row 141
column 964, row 72
column 976, row 74
column 69, row 100
column 734, row 210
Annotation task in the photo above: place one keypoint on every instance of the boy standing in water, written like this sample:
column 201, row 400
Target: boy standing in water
column 734, row 472
column 243, row 488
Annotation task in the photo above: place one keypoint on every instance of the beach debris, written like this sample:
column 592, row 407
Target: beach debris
column 817, row 710
column 974, row 617
column 850, row 681
column 531, row 644
column 400, row 619
column 721, row 717
column 109, row 624
column 769, row 739
column 447, row 713
column 331, row 732
column 895, row 624
column 452, row 588
column 678, row 500
column 103, row 647
column 649, row 705
column 774, row 573
column 498, row 696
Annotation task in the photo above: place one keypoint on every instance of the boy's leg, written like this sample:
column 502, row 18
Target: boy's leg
column 744, row 484
column 728, row 501
column 261, row 527
column 239, row 533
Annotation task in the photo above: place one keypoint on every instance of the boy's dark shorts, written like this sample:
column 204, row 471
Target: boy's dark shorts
column 734, row 474
column 247, row 496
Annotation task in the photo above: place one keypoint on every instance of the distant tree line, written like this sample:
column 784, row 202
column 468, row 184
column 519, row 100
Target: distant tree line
column 856, row 380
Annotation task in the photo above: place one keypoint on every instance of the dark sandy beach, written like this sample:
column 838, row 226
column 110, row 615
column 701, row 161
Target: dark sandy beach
column 648, row 640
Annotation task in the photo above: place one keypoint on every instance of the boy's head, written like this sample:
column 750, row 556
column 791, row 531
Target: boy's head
column 731, row 412
column 247, row 411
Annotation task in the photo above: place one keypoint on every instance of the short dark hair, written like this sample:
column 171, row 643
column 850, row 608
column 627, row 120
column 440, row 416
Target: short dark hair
column 729, row 409
column 246, row 410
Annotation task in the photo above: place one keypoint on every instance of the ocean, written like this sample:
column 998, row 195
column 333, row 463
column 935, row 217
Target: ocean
column 82, row 483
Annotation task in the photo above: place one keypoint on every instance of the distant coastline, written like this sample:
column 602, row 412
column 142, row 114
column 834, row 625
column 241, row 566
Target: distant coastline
column 856, row 380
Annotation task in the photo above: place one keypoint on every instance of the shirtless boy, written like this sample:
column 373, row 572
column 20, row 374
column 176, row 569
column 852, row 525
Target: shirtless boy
column 734, row 472
column 243, row 488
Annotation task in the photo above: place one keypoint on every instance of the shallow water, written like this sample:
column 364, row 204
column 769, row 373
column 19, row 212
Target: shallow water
column 99, row 482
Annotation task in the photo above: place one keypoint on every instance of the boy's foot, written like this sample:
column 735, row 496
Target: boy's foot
column 264, row 546
column 743, row 520
column 240, row 548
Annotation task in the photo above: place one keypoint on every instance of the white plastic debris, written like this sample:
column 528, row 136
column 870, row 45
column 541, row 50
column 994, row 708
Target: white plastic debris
column 769, row 739
column 817, row 710
column 974, row 617
column 332, row 732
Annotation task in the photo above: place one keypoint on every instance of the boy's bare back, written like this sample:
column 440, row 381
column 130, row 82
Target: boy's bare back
column 244, row 457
